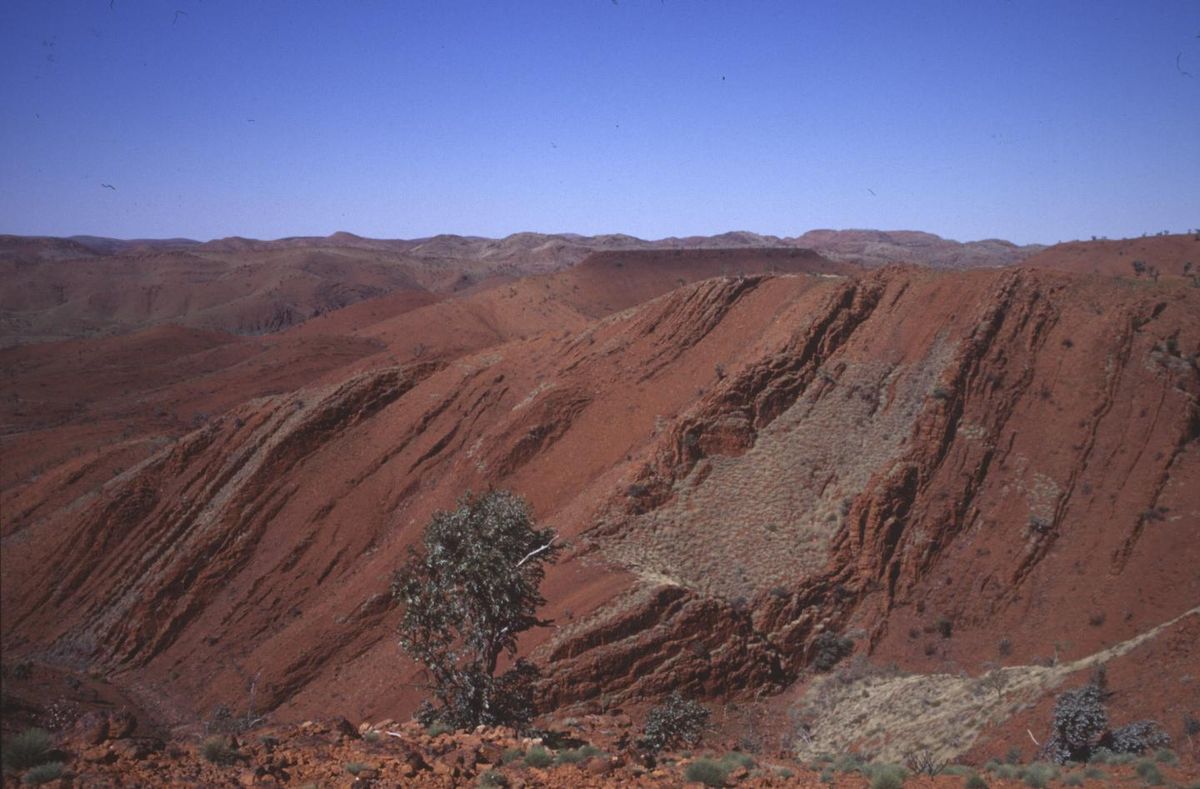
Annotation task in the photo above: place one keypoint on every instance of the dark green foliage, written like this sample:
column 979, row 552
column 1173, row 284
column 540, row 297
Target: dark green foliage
column 1039, row 774
column 577, row 755
column 1079, row 722
column 354, row 768
column 1149, row 772
column 828, row 649
column 678, row 721
column 886, row 776
column 537, row 756
column 1166, row 756
column 27, row 749
column 1138, row 737
column 438, row 727
column 975, row 781
column 218, row 751
column 707, row 771
column 511, row 755
column 736, row 759
column 1104, row 755
column 43, row 774
column 467, row 597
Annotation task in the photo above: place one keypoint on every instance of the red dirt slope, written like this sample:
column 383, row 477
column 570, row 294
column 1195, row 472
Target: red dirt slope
column 739, row 464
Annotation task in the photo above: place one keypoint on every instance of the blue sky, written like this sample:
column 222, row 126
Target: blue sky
column 1032, row 121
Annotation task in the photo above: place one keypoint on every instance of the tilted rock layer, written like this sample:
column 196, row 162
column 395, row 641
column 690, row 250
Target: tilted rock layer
column 935, row 461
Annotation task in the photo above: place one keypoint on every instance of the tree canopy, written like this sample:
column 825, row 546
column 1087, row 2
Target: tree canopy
column 467, row 596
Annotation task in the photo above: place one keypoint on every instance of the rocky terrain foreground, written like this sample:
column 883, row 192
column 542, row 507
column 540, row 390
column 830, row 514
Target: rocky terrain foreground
column 884, row 511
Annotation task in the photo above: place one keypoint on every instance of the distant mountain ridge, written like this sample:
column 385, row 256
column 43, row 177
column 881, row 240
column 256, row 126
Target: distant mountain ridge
column 871, row 248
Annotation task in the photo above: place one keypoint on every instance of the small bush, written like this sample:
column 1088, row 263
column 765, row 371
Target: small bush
column 1095, row 774
column 577, row 755
column 828, row 649
column 826, row 776
column 27, row 749
column 1108, row 756
column 511, row 755
column 944, row 626
column 1039, row 774
column 848, row 763
column 1149, row 772
column 354, row 768
column 216, row 750
column 736, row 759
column 886, row 776
column 371, row 736
column 438, row 727
column 43, row 774
column 1073, row 779
column 677, row 721
column 492, row 779
column 1166, row 756
column 975, row 781
column 1009, row 772
column 537, row 756
column 1079, row 721
column 1139, row 737
column 706, row 771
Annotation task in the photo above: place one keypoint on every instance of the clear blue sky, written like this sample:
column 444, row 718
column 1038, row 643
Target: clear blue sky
column 1026, row 120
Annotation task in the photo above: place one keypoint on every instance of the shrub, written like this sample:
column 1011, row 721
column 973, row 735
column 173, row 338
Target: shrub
column 511, row 755
column 1166, row 756
column 1073, row 779
column 848, row 763
column 1139, row 736
column 438, row 727
column 924, row 762
column 1149, row 772
column 1079, row 721
column 944, row 626
column 27, row 749
column 1095, row 774
column 537, row 756
column 828, row 649
column 217, row 750
column 975, row 781
column 706, row 771
column 43, row 774
column 886, row 776
column 676, row 721
column 1039, row 774
column 467, row 598
column 1008, row 772
column 371, row 735
column 354, row 768
column 736, row 759
column 577, row 755
column 1108, row 756
column 492, row 779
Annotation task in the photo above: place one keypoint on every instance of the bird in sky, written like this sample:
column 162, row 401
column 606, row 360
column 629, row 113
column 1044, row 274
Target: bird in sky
column 109, row 186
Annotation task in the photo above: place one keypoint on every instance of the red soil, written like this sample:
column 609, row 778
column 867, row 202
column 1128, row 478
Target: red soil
column 738, row 463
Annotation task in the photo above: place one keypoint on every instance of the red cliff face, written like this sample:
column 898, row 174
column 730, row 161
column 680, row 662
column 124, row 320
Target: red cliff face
column 936, row 461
